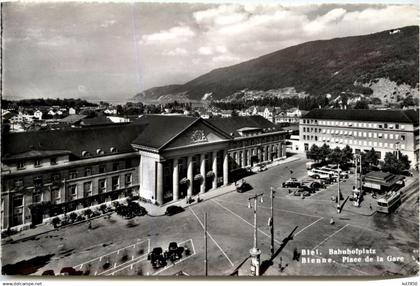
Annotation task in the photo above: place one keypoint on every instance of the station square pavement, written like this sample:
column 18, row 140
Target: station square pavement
column 300, row 224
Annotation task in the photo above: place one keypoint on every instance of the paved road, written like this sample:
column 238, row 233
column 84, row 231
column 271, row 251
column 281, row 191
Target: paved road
column 230, row 236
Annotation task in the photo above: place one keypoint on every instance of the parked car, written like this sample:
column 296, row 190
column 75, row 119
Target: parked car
column 172, row 210
column 300, row 192
column 156, row 258
column 259, row 168
column 317, row 184
column 70, row 271
column 243, row 186
column 174, row 252
column 343, row 174
column 320, row 174
column 291, row 183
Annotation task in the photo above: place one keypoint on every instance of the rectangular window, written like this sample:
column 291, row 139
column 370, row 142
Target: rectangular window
column 391, row 145
column 402, row 146
column 37, row 198
column 18, row 183
column 38, row 181
column 55, row 195
column 375, row 143
column 88, row 171
column 53, row 161
column 87, row 189
column 72, row 191
column 73, row 174
column 402, row 137
column 128, row 180
column 55, row 177
column 115, row 166
column 375, row 135
column 397, row 126
column 397, row 136
column 115, row 182
column 364, row 134
column 37, row 163
column 385, row 125
column 386, row 136
column 304, row 129
column 102, row 169
column 391, row 136
column 102, row 185
column 380, row 144
column 20, row 165
column 386, row 145
column 129, row 165
column 18, row 210
column 360, row 134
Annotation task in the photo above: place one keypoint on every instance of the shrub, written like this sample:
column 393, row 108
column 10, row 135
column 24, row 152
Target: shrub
column 56, row 221
column 73, row 217
column 88, row 213
column 103, row 208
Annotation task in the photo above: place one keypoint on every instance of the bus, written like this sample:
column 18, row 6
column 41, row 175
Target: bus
column 320, row 174
column 389, row 202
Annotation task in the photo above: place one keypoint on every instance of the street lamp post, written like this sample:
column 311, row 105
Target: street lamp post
column 397, row 147
column 254, row 251
column 338, row 190
column 271, row 222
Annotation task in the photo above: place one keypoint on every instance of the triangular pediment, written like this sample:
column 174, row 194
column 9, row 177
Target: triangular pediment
column 200, row 132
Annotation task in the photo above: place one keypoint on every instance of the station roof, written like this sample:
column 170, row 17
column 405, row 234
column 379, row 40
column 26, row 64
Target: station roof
column 231, row 125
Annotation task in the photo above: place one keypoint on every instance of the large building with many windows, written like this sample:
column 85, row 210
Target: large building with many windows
column 159, row 158
column 383, row 130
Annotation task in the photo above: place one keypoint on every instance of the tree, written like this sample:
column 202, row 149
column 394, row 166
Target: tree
column 370, row 159
column 234, row 113
column 336, row 156
column 314, row 153
column 395, row 164
column 361, row 104
column 325, row 151
column 347, row 154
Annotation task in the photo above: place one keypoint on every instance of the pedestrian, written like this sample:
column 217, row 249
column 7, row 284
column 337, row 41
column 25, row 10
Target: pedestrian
column 291, row 172
column 332, row 221
column 280, row 264
column 370, row 206
column 90, row 225
column 295, row 254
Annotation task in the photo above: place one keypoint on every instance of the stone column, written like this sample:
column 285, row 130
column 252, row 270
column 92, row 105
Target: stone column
column 225, row 168
column 259, row 151
column 203, row 173
column 175, row 180
column 264, row 153
column 243, row 159
column 270, row 154
column 249, row 157
column 214, row 167
column 159, row 183
column 190, row 176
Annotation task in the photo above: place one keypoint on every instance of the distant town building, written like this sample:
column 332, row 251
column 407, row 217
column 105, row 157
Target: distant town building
column 72, row 111
column 383, row 130
column 38, row 114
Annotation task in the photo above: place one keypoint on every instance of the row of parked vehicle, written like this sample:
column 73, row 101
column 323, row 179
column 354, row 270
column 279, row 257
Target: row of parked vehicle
column 299, row 188
column 327, row 173
column 158, row 258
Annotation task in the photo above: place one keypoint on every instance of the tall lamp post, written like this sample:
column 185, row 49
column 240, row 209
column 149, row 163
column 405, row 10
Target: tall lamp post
column 271, row 221
column 338, row 189
column 397, row 147
column 254, row 251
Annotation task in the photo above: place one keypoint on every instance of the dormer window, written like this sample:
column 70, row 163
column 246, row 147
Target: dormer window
column 20, row 165
column 85, row 154
column 113, row 150
column 37, row 163
column 99, row 151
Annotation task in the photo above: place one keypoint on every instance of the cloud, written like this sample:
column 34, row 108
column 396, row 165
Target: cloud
column 175, row 52
column 178, row 34
column 205, row 51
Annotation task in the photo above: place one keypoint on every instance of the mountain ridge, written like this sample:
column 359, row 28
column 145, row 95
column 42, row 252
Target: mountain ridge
column 316, row 67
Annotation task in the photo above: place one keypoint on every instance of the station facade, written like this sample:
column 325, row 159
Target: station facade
column 158, row 158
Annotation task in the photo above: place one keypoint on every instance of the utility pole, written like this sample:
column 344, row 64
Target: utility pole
column 255, row 252
column 338, row 190
column 205, row 245
column 271, row 221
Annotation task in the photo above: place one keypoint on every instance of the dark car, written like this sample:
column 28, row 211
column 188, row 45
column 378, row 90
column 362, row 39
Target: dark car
column 49, row 272
column 156, row 258
column 317, row 185
column 174, row 252
column 243, row 187
column 70, row 271
column 291, row 183
column 172, row 210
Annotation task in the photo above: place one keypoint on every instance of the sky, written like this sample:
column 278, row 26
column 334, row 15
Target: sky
column 112, row 51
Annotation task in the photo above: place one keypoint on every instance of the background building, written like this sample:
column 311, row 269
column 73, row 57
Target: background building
column 383, row 130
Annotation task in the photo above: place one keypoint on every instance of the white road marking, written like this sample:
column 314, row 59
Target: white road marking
column 172, row 265
column 129, row 265
column 321, row 218
column 319, row 244
column 244, row 220
column 100, row 258
column 211, row 237
column 277, row 209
